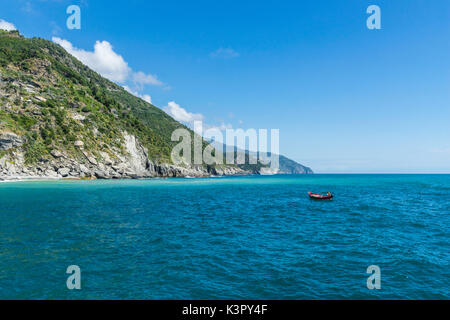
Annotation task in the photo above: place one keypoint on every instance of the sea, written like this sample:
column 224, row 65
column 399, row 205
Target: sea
column 234, row 237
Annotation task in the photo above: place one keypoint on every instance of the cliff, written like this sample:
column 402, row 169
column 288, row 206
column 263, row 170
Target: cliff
column 60, row 119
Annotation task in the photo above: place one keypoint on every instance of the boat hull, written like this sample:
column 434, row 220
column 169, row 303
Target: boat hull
column 315, row 196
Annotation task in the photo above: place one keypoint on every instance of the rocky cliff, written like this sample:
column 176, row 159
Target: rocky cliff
column 59, row 119
column 134, row 163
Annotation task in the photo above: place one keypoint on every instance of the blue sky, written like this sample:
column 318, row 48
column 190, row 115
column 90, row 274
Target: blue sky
column 345, row 98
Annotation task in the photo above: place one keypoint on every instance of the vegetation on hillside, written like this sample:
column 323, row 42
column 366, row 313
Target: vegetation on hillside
column 53, row 100
column 55, row 103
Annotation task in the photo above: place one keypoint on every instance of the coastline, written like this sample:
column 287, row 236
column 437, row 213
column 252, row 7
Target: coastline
column 133, row 163
column 30, row 178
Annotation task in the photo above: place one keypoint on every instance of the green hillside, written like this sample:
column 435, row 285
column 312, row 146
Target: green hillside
column 46, row 92
column 58, row 117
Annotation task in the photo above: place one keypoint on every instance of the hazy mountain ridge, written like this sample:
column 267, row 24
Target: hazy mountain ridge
column 285, row 165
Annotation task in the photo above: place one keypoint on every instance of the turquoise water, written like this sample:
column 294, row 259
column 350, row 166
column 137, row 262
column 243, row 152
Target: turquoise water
column 253, row 237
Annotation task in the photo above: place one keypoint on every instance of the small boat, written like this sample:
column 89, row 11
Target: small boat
column 316, row 196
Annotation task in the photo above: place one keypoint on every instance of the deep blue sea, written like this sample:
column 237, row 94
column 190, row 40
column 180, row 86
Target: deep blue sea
column 248, row 237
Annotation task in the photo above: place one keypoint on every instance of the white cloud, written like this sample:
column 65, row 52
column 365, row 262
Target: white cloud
column 224, row 53
column 222, row 127
column 108, row 63
column 144, row 97
column 103, row 60
column 214, row 132
column 8, row 26
column 147, row 98
column 142, row 79
column 180, row 114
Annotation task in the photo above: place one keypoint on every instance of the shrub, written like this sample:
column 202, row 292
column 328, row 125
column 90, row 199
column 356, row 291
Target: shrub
column 34, row 151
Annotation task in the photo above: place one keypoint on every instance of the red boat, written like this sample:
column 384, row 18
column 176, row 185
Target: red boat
column 316, row 196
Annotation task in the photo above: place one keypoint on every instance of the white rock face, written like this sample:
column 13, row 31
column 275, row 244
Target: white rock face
column 56, row 154
column 137, row 159
column 10, row 140
column 134, row 163
column 40, row 98
column 78, row 117
column 84, row 169
column 92, row 160
column 51, row 173
column 106, row 158
column 64, row 172
column 269, row 171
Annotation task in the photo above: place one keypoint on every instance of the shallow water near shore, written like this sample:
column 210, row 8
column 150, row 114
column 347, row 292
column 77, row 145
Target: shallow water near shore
column 247, row 237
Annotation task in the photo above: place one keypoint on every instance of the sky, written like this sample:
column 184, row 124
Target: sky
column 345, row 98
